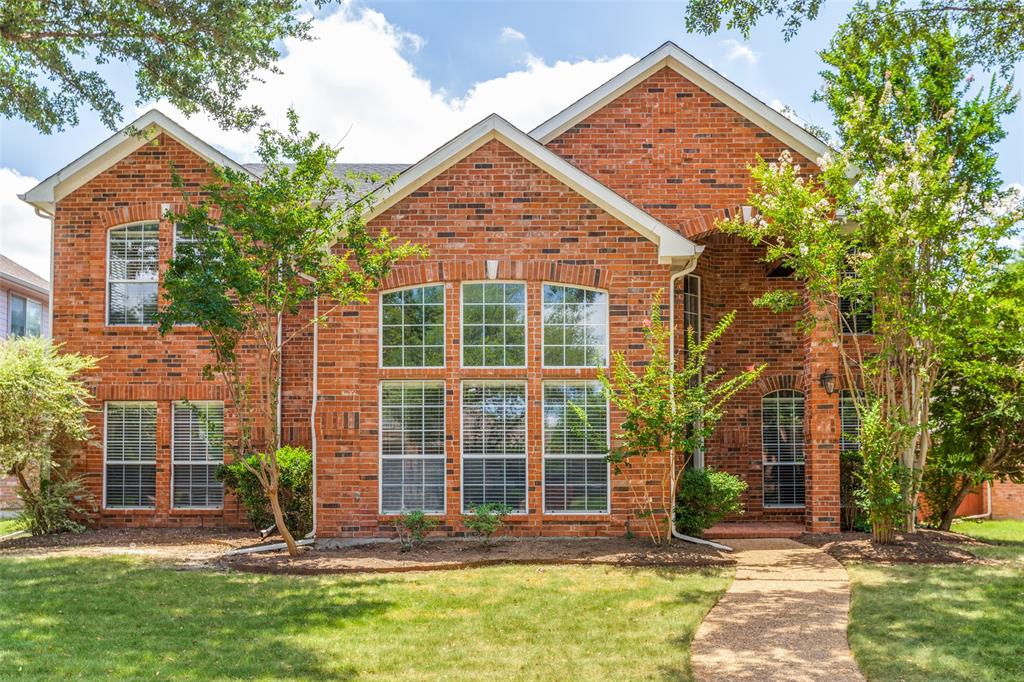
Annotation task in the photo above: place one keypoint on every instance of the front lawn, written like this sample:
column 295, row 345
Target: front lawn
column 943, row 622
column 123, row 618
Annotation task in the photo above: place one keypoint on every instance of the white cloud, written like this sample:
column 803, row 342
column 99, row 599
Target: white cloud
column 735, row 51
column 354, row 85
column 24, row 236
column 510, row 35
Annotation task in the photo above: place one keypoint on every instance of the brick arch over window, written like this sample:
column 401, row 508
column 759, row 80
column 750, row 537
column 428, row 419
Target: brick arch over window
column 779, row 382
column 413, row 274
column 133, row 213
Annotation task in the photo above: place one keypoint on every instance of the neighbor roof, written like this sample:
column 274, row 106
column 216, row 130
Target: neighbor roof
column 362, row 175
column 679, row 60
column 19, row 274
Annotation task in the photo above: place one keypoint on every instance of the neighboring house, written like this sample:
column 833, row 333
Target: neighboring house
column 23, row 312
column 452, row 386
column 997, row 500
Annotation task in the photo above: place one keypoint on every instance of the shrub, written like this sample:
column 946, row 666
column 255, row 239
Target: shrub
column 885, row 481
column 486, row 519
column 58, row 507
column 296, row 490
column 413, row 528
column 706, row 497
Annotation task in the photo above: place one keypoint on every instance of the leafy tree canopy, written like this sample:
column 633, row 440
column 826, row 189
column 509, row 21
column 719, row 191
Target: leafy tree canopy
column 197, row 55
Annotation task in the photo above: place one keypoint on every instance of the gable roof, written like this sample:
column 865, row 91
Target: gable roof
column 47, row 193
column 19, row 274
column 674, row 57
column 361, row 177
column 670, row 243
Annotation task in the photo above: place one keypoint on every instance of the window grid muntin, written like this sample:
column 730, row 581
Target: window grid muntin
column 413, row 468
column 197, row 449
column 588, row 310
column 782, row 448
column 489, row 473
column 125, row 450
column 572, row 460
column 133, row 261
column 496, row 299
column 431, row 300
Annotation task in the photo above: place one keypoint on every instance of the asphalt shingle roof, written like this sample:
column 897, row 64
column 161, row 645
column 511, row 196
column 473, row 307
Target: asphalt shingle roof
column 11, row 270
column 342, row 170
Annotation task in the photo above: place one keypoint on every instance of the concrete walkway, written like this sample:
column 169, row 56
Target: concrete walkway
column 783, row 618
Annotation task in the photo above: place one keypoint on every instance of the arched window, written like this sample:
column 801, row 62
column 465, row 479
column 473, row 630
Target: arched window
column 133, row 260
column 782, row 448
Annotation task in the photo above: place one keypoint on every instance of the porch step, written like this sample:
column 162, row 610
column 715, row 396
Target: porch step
column 731, row 531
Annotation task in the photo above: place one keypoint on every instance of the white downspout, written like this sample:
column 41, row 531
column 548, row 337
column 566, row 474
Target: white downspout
column 49, row 298
column 313, row 405
column 988, row 504
column 672, row 364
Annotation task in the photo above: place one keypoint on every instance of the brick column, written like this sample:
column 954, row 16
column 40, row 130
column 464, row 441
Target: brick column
column 821, row 432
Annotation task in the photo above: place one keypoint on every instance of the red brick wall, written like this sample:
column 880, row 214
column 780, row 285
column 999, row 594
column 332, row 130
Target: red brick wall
column 9, row 499
column 1007, row 500
column 137, row 362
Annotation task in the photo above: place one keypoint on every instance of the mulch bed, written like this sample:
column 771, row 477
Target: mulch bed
column 183, row 545
column 385, row 557
column 922, row 547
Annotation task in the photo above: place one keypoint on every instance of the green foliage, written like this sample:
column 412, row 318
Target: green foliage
column 196, row 55
column 296, row 492
column 948, row 477
column 485, row 520
column 885, row 481
column 59, row 506
column 667, row 409
column 413, row 528
column 706, row 497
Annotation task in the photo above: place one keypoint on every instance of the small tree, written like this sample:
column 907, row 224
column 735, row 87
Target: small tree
column 272, row 252
column 43, row 408
column 668, row 411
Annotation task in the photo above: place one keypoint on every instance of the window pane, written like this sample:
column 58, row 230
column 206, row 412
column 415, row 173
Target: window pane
column 132, row 274
column 33, row 319
column 849, row 423
column 412, row 446
column 197, row 449
column 575, row 469
column 17, row 315
column 412, row 327
column 130, row 452
column 494, row 325
column 494, row 444
column 575, row 327
column 782, row 442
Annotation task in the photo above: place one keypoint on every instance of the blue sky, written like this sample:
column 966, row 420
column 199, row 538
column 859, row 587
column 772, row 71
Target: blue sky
column 393, row 80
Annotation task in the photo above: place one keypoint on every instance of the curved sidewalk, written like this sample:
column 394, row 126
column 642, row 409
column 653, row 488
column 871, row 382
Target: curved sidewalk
column 783, row 618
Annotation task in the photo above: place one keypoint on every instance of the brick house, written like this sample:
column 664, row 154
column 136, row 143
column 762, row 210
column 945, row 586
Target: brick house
column 450, row 387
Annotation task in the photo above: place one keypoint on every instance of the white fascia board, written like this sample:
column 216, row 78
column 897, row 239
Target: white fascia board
column 47, row 193
column 671, row 244
column 704, row 77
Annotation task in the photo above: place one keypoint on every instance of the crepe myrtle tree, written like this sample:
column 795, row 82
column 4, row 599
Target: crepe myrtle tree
column 259, row 249
column 903, row 223
column 667, row 409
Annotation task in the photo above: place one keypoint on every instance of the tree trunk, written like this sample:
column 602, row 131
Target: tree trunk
column 950, row 514
column 282, row 528
column 882, row 532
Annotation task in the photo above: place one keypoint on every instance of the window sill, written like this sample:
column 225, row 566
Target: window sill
column 783, row 506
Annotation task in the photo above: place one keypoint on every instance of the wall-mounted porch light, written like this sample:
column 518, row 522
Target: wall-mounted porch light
column 828, row 381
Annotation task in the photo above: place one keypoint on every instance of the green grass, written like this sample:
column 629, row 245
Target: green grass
column 945, row 623
column 9, row 526
column 122, row 618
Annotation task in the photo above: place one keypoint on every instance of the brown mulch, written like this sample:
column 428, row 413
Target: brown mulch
column 385, row 557
column 922, row 547
column 180, row 545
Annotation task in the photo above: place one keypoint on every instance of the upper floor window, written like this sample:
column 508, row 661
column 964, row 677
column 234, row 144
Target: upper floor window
column 133, row 257
column 412, row 327
column 782, row 446
column 197, row 449
column 857, row 312
column 494, row 324
column 26, row 316
column 575, row 327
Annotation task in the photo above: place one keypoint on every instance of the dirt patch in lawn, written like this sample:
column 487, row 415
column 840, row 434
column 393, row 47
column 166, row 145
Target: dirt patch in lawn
column 922, row 547
column 382, row 557
column 183, row 546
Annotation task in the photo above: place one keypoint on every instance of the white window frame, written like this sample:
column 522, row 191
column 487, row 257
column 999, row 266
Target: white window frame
column 607, row 326
column 803, row 446
column 444, row 326
column 184, row 404
column 10, row 317
column 156, row 448
column 109, row 281
column 462, row 441
column 380, row 445
column 544, row 454
column 526, row 324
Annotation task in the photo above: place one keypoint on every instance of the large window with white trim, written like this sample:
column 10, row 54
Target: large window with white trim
column 133, row 258
column 494, row 324
column 412, row 327
column 575, row 327
column 494, row 444
column 412, row 438
column 782, row 444
column 575, row 445
column 197, row 449
column 129, row 452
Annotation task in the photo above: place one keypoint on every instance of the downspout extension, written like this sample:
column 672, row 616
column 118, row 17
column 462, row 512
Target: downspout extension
column 988, row 505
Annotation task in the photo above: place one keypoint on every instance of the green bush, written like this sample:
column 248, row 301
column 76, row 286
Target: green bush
column 57, row 507
column 706, row 497
column 413, row 528
column 486, row 519
column 296, row 493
